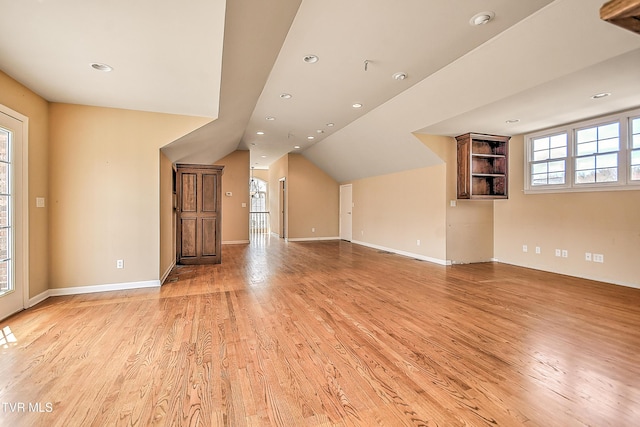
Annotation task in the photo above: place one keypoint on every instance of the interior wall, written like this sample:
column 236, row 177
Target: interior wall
column 167, row 217
column 105, row 192
column 396, row 211
column 469, row 222
column 235, row 179
column 603, row 222
column 19, row 98
column 314, row 201
column 278, row 170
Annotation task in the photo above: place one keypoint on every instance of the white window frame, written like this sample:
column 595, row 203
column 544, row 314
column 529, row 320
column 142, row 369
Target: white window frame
column 624, row 156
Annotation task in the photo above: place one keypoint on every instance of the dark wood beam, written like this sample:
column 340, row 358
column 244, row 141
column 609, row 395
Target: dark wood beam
column 623, row 13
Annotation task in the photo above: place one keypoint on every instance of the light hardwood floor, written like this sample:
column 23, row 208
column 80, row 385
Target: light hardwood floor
column 330, row 334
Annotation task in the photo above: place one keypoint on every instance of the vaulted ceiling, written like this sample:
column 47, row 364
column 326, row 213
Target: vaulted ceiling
column 537, row 62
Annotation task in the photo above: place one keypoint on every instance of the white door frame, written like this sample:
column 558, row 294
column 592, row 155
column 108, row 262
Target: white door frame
column 20, row 184
column 346, row 212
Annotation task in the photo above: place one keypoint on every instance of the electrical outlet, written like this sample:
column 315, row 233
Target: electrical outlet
column 525, row 248
column 598, row 258
column 537, row 249
column 565, row 253
column 587, row 256
column 558, row 252
column 120, row 263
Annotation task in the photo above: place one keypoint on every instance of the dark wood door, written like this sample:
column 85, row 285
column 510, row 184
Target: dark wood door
column 198, row 211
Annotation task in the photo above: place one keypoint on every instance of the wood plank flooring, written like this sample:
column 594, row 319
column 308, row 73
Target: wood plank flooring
column 329, row 334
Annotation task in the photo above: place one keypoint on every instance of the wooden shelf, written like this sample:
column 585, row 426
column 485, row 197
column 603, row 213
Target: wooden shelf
column 482, row 166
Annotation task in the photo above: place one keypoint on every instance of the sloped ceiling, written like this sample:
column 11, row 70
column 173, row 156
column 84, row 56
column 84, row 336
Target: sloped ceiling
column 538, row 61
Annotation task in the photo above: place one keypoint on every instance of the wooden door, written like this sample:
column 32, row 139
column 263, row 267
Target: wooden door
column 198, row 211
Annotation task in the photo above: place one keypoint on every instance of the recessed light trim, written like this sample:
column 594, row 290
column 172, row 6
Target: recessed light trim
column 99, row 66
column 310, row 59
column 260, row 132
column 511, row 121
column 481, row 18
column 296, row 147
column 311, row 137
column 357, row 105
column 270, row 118
column 601, row 95
column 286, row 96
column 399, row 76
column 319, row 131
column 330, row 125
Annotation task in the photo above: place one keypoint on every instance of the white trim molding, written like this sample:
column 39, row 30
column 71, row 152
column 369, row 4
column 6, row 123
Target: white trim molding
column 310, row 239
column 235, row 242
column 404, row 253
column 167, row 272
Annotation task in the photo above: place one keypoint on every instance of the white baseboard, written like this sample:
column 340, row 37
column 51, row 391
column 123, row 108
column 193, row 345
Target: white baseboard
column 310, row 239
column 77, row 290
column 403, row 253
column 235, row 242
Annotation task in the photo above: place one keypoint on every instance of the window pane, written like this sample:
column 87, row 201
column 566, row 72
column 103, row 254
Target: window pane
column 4, row 211
column 584, row 163
column 607, row 175
column 540, row 179
column 557, row 153
column 4, row 243
column 608, row 131
column 635, row 126
column 635, row 173
column 608, row 145
column 4, row 145
column 587, row 148
column 4, row 178
column 587, row 135
column 4, row 277
column 636, row 141
column 556, row 166
column 556, row 178
column 559, row 140
column 540, row 155
column 585, row 177
column 635, row 157
column 539, row 168
column 540, row 144
column 607, row 161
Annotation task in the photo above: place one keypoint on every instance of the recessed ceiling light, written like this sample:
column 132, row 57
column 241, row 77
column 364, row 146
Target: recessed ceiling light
column 253, row 144
column 510, row 121
column 260, row 132
column 481, row 18
column 101, row 67
column 264, row 157
column 270, row 118
column 357, row 105
column 320, row 131
column 296, row 146
column 601, row 95
column 310, row 59
column 311, row 137
column 400, row 76
column 330, row 125
column 285, row 95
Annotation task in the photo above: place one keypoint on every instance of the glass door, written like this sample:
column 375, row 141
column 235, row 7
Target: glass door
column 11, row 290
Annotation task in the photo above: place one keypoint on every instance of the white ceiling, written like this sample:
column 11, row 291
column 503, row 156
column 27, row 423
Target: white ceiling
column 538, row 61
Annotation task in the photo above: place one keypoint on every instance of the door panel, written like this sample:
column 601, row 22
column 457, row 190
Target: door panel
column 199, row 206
column 346, row 207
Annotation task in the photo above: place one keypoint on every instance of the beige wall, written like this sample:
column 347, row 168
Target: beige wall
column 603, row 222
column 24, row 101
column 235, row 217
column 469, row 222
column 314, row 201
column 167, row 217
column 105, row 192
column 395, row 211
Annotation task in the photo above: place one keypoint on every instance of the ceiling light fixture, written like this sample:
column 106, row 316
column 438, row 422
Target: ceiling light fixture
column 601, row 95
column 510, row 121
column 260, row 132
column 285, row 95
column 311, row 137
column 296, row 147
column 357, row 105
column 320, row 131
column 399, row 76
column 310, row 59
column 101, row 67
column 481, row 18
column 270, row 118
column 330, row 125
